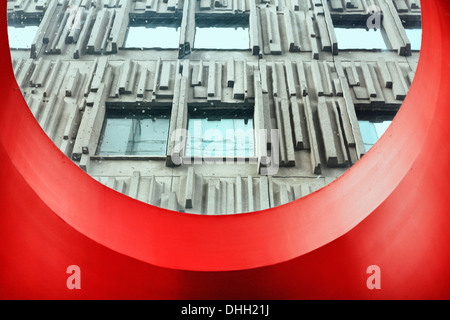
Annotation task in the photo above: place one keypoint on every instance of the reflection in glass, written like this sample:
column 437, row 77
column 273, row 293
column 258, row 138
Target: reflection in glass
column 360, row 38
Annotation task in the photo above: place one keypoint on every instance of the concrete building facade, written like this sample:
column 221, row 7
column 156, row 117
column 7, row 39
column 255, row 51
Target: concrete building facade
column 120, row 110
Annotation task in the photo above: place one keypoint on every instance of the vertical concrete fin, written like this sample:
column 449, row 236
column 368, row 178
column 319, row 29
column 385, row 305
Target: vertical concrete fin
column 134, row 184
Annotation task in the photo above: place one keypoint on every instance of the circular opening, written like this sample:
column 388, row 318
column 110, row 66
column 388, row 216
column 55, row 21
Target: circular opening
column 220, row 129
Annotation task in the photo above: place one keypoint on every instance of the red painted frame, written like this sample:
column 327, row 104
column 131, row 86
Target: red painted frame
column 391, row 209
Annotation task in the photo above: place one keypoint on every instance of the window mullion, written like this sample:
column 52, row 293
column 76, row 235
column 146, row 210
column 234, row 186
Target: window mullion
column 131, row 138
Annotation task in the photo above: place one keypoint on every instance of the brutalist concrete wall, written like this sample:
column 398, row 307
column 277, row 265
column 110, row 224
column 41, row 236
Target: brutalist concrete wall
column 293, row 76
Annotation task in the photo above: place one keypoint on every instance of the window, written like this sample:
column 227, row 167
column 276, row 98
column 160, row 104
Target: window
column 134, row 134
column 21, row 36
column 372, row 130
column 413, row 29
column 155, row 34
column 224, row 35
column 360, row 38
column 415, row 38
column 220, row 135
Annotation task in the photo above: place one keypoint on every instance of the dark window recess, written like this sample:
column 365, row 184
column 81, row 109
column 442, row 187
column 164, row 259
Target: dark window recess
column 226, row 134
column 134, row 134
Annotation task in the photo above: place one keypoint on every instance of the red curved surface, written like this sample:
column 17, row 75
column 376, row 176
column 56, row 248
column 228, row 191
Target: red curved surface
column 391, row 209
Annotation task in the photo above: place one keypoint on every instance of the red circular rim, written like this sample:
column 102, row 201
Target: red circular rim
column 377, row 193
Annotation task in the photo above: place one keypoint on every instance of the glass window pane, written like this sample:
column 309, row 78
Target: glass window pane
column 381, row 127
column 212, row 138
column 226, row 38
column 213, row 142
column 230, row 138
column 415, row 37
column 372, row 131
column 360, row 38
column 221, row 138
column 116, row 136
column 21, row 37
column 146, row 136
column 369, row 133
column 151, row 137
column 244, row 138
column 194, row 141
column 152, row 37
